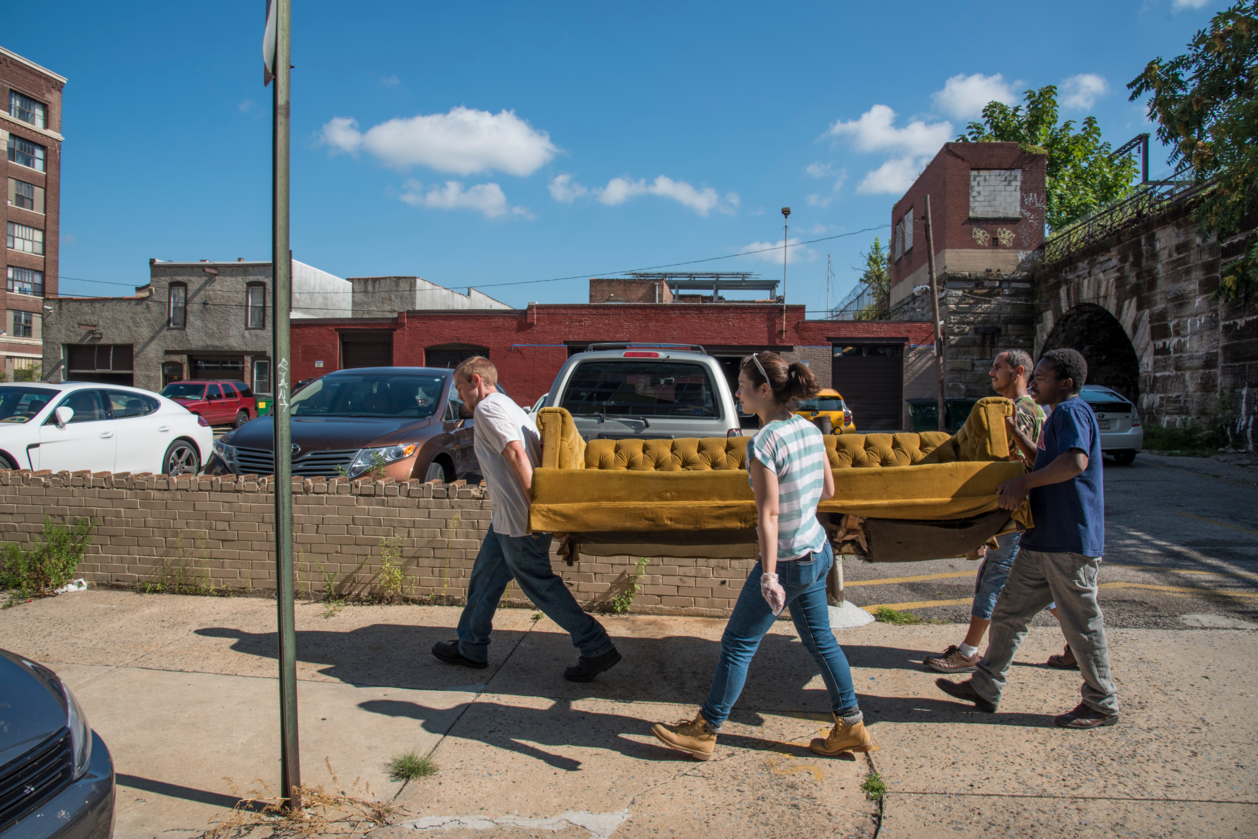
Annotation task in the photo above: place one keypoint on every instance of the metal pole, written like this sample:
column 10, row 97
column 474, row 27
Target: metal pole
column 827, row 286
column 282, row 285
column 934, row 303
column 786, row 215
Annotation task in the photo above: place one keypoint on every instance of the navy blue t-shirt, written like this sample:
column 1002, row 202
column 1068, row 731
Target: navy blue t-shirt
column 1070, row 516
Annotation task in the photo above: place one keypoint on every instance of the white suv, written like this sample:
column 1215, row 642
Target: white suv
column 645, row 391
column 71, row 426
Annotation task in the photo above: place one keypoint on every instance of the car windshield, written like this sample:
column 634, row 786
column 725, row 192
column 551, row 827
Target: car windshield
column 396, row 396
column 1103, row 399
column 183, row 390
column 20, row 404
column 822, row 403
column 643, row 389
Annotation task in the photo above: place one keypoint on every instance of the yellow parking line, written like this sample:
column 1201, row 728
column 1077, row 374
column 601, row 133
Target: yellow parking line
column 1221, row 524
column 888, row 580
column 1205, row 592
column 921, row 604
column 1245, row 575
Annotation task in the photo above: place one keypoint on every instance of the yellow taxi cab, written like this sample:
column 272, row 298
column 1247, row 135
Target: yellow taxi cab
column 829, row 404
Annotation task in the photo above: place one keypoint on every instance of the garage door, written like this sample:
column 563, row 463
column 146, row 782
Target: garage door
column 366, row 351
column 871, row 379
column 217, row 367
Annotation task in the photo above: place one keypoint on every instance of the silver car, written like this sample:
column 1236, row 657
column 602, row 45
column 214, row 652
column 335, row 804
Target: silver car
column 646, row 391
column 1122, row 434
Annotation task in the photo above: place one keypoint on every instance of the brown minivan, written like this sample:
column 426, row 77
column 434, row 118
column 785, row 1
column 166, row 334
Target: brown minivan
column 397, row 422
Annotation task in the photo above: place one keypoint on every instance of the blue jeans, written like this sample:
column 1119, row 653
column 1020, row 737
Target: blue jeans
column 992, row 576
column 805, row 584
column 526, row 559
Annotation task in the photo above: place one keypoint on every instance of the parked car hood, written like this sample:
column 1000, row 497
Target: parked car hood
column 323, row 433
column 31, row 709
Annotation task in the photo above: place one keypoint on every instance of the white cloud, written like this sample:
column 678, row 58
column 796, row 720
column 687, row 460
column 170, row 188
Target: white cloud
column 464, row 141
column 565, row 190
column 773, row 250
column 1180, row 5
column 245, row 106
column 1081, row 92
column 390, row 81
column 619, row 190
column 964, row 97
column 893, row 177
column 486, row 199
column 876, row 131
column 820, row 170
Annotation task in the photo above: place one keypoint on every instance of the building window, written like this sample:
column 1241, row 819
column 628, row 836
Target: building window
column 178, row 306
column 27, row 109
column 451, row 356
column 26, row 239
column 26, row 196
column 907, row 221
column 25, row 281
column 25, row 153
column 24, row 325
column 898, row 236
column 255, row 306
column 262, row 375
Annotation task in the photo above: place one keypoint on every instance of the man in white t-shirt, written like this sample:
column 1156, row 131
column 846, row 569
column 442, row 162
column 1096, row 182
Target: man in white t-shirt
column 509, row 448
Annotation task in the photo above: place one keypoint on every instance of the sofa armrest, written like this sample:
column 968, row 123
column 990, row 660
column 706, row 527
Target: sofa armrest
column 562, row 445
column 982, row 438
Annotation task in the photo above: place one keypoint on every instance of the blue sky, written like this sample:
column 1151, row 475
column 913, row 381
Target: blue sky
column 483, row 144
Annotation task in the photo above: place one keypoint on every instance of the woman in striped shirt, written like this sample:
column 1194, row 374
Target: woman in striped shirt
column 790, row 475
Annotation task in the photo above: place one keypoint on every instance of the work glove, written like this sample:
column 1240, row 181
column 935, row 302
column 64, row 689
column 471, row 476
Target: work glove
column 773, row 593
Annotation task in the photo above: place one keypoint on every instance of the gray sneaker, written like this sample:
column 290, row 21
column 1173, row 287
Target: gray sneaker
column 952, row 661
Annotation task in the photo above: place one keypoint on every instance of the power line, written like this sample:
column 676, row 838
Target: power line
column 576, row 276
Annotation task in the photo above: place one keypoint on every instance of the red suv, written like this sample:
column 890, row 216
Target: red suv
column 219, row 402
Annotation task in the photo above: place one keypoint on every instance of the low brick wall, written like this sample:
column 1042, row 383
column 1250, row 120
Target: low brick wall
column 202, row 534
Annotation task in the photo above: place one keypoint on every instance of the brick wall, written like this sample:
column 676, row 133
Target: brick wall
column 630, row 291
column 219, row 532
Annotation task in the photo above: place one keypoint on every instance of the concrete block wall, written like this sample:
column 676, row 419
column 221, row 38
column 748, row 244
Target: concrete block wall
column 219, row 532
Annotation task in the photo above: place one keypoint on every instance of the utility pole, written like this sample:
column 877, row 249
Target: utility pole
column 934, row 303
column 786, row 215
column 827, row 286
column 280, row 28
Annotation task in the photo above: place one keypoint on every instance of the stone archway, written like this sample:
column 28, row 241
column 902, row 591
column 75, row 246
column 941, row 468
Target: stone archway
column 1098, row 335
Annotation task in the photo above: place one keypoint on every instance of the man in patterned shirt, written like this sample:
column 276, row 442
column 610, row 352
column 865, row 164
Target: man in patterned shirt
column 1010, row 373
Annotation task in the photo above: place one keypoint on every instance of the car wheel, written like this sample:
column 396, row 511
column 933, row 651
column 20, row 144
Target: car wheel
column 435, row 472
column 181, row 459
column 241, row 418
column 1124, row 457
column 6, row 463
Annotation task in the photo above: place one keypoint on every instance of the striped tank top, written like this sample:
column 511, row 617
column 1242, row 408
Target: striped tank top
column 794, row 450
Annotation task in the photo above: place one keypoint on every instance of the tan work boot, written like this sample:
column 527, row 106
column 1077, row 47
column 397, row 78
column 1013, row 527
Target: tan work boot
column 844, row 738
column 690, row 736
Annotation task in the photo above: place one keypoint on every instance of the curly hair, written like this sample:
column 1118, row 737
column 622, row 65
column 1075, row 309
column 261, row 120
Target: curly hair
column 1068, row 364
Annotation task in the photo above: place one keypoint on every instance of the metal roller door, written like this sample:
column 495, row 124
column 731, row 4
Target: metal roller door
column 371, row 350
column 871, row 379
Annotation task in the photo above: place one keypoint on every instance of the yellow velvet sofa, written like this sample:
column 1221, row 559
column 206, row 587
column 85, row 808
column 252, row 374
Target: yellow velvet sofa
column 898, row 497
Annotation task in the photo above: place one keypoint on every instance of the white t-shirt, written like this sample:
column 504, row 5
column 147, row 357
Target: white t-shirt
column 500, row 421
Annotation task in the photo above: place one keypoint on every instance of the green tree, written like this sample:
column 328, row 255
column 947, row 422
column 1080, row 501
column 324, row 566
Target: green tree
column 1206, row 105
column 877, row 278
column 1082, row 174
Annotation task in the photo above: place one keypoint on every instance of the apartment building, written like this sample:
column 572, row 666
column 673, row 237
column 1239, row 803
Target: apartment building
column 30, row 133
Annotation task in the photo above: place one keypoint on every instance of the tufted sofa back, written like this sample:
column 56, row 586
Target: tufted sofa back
column 981, row 439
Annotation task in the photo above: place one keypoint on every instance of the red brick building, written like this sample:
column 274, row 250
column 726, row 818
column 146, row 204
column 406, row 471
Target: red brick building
column 988, row 206
column 869, row 362
column 30, row 133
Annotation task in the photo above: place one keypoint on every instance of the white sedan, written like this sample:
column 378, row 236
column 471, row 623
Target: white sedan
column 72, row 426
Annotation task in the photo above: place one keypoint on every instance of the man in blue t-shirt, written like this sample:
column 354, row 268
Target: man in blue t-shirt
column 1060, row 555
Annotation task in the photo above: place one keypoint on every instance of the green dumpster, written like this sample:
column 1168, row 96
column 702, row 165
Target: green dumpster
column 957, row 411
column 925, row 414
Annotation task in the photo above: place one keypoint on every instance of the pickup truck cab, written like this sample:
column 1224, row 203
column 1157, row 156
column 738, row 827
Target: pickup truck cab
column 623, row 391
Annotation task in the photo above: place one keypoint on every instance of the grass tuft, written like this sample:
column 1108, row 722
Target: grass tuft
column 411, row 765
column 888, row 615
column 874, row 786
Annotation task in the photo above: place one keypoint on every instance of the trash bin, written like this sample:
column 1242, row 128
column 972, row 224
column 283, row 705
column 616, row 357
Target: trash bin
column 957, row 411
column 925, row 414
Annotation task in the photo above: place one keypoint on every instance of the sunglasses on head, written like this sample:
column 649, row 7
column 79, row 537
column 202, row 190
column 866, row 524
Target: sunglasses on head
column 760, row 367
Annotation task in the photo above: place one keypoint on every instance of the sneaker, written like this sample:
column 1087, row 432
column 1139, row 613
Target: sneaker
column 844, row 738
column 1085, row 717
column 587, row 668
column 953, row 661
column 693, row 737
column 966, row 693
column 1065, row 661
column 449, row 652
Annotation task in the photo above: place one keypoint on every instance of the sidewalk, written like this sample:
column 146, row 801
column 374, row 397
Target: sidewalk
column 183, row 690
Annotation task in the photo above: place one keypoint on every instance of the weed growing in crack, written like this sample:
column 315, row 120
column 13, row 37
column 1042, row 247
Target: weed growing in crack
column 408, row 766
column 48, row 565
column 332, row 605
column 623, row 602
column 391, row 577
column 874, row 786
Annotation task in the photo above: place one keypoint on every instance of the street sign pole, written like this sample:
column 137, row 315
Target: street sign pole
column 934, row 304
column 282, row 274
